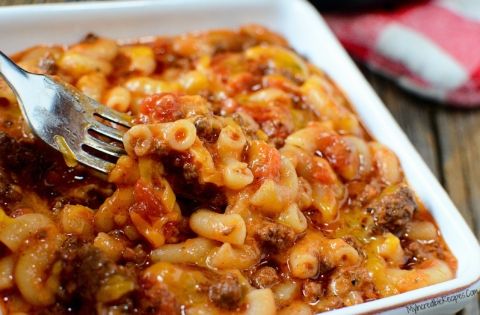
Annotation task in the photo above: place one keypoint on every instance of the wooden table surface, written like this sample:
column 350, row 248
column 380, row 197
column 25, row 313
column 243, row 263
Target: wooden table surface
column 447, row 139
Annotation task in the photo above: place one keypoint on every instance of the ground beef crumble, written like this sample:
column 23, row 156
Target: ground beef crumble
column 227, row 293
column 274, row 236
column 264, row 277
column 393, row 210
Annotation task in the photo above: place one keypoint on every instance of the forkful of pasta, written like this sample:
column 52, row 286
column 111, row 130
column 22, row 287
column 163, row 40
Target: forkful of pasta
column 70, row 122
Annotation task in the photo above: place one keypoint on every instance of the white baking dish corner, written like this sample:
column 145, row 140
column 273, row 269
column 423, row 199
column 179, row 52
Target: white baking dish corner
column 297, row 20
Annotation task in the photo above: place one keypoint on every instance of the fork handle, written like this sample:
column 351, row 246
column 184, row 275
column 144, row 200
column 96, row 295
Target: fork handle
column 13, row 74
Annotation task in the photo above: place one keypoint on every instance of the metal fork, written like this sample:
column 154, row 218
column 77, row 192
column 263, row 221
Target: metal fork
column 66, row 119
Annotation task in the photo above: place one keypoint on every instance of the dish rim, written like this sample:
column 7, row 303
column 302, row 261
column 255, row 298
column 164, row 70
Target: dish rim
column 457, row 284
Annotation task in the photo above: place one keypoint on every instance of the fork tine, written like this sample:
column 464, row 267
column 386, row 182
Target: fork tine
column 113, row 116
column 94, row 162
column 107, row 131
column 102, row 146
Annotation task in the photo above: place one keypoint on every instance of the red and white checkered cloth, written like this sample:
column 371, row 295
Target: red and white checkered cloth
column 431, row 47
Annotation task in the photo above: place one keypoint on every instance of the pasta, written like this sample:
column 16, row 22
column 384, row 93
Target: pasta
column 181, row 135
column 92, row 85
column 110, row 246
column 231, row 142
column 237, row 175
column 431, row 271
column 139, row 140
column 77, row 220
column 142, row 59
column 294, row 218
column 192, row 251
column 97, row 48
column 118, row 98
column 296, row 308
column 260, row 302
column 31, row 276
column 422, row 230
column 249, row 186
column 229, row 257
column 227, row 228
column 6, row 272
column 78, row 64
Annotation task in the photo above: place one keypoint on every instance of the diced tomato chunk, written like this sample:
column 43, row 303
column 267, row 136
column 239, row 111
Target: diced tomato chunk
column 163, row 107
column 339, row 153
column 146, row 203
column 242, row 82
column 265, row 161
column 260, row 113
column 322, row 171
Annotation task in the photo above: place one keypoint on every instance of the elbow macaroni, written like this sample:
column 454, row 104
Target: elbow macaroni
column 230, row 257
column 180, row 135
column 194, row 251
column 228, row 228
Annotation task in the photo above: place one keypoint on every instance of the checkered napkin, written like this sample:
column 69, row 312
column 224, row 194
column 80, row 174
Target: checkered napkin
column 431, row 48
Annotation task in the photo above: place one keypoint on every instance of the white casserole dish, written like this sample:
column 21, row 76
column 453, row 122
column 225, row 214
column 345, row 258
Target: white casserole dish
column 298, row 21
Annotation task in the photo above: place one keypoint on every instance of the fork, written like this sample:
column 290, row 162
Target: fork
column 67, row 120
